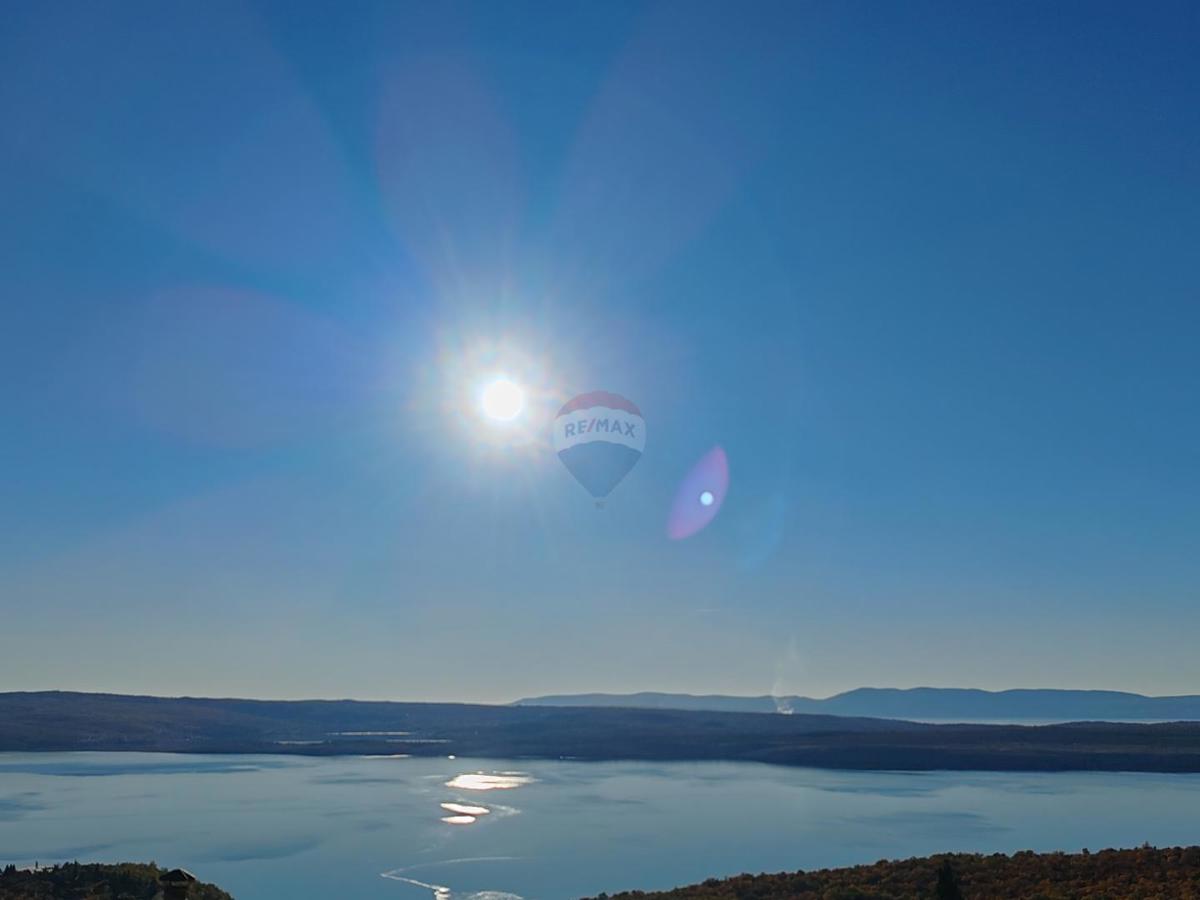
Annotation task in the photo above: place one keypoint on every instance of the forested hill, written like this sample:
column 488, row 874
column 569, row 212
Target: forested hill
column 123, row 881
column 1147, row 872
column 963, row 704
column 69, row 721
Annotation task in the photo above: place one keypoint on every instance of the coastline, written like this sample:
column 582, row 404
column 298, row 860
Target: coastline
column 58, row 722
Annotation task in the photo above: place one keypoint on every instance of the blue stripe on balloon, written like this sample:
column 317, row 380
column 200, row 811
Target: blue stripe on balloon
column 599, row 465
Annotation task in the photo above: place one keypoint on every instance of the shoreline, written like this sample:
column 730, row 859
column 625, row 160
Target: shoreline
column 58, row 722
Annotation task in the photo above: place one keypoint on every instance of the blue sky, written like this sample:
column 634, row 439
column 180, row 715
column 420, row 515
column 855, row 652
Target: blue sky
column 929, row 275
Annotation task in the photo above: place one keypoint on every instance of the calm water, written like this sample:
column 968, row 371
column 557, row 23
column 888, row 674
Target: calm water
column 296, row 828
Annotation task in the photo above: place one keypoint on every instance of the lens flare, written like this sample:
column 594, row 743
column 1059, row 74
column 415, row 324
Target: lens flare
column 700, row 495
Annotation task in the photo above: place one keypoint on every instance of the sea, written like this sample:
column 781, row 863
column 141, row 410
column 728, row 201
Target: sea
column 302, row 828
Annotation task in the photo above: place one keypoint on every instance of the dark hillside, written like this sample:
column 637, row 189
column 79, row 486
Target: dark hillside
column 123, row 881
column 1148, row 873
column 68, row 721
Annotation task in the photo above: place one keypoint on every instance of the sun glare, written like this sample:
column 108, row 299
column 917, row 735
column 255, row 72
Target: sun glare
column 502, row 400
column 492, row 397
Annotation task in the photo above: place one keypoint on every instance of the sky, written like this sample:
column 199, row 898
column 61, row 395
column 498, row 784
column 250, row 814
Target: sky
column 928, row 273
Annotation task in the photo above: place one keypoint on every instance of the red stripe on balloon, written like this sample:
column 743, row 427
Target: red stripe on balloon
column 599, row 398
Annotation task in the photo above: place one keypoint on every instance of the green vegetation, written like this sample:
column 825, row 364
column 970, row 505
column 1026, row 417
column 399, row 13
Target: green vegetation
column 1143, row 874
column 93, row 881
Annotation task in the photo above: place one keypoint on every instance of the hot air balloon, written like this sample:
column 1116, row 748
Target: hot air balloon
column 599, row 437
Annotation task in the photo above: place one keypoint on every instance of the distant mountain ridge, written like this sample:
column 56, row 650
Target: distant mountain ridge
column 964, row 704
column 63, row 721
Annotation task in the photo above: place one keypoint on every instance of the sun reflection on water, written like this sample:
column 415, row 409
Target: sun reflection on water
column 464, row 809
column 496, row 781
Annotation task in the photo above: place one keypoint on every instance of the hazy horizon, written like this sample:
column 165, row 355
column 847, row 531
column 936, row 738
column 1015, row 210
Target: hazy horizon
column 552, row 693
column 926, row 274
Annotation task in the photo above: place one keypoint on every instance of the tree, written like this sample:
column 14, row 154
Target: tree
column 947, row 883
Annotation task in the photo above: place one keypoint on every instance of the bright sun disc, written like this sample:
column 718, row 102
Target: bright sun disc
column 502, row 400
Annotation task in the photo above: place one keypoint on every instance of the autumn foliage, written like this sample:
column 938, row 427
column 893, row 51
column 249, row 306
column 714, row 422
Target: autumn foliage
column 1147, row 873
column 93, row 881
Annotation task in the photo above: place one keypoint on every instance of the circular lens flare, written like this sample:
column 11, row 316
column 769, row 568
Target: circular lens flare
column 700, row 495
column 502, row 400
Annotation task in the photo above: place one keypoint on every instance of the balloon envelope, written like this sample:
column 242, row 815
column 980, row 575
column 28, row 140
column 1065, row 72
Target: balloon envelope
column 599, row 437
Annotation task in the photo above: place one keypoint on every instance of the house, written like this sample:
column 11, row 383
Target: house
column 176, row 884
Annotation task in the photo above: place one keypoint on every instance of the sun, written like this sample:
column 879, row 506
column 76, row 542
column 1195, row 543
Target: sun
column 502, row 400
